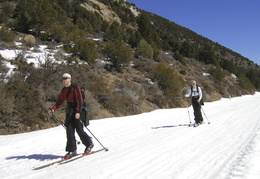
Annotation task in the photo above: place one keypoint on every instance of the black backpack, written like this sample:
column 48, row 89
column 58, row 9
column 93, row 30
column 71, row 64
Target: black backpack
column 84, row 111
column 201, row 101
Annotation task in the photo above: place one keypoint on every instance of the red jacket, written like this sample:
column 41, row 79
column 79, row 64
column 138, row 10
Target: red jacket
column 74, row 97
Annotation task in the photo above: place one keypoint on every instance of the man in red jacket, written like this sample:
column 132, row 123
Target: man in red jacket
column 72, row 94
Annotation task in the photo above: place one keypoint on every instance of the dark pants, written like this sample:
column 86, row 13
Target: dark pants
column 73, row 124
column 197, row 110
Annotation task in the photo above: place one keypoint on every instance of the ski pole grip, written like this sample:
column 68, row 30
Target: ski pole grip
column 51, row 110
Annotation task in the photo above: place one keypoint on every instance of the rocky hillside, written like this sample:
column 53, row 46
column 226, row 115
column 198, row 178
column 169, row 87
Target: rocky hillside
column 130, row 61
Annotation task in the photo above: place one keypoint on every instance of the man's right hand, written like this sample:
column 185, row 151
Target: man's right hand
column 51, row 111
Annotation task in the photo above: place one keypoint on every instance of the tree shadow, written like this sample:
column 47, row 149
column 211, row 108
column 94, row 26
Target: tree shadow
column 40, row 157
column 177, row 125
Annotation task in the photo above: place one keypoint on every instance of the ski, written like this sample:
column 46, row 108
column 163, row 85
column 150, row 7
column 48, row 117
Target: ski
column 63, row 161
column 49, row 164
column 191, row 124
column 81, row 156
column 197, row 125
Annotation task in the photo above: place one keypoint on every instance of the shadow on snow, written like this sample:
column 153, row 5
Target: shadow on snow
column 40, row 157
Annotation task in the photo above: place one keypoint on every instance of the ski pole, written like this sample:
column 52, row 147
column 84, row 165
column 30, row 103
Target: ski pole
column 58, row 120
column 189, row 114
column 204, row 114
column 106, row 149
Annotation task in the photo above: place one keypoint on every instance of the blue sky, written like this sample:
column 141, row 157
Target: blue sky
column 234, row 24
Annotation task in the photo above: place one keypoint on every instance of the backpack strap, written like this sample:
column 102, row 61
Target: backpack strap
column 191, row 88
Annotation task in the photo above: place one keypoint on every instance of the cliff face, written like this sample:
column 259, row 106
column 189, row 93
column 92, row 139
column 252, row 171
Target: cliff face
column 103, row 10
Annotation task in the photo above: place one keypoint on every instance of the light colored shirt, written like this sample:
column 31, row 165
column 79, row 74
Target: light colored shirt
column 194, row 92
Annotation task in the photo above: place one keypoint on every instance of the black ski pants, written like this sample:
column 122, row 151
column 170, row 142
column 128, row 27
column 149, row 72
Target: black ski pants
column 197, row 110
column 73, row 124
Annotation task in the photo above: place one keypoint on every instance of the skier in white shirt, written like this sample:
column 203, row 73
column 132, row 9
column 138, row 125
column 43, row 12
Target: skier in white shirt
column 196, row 93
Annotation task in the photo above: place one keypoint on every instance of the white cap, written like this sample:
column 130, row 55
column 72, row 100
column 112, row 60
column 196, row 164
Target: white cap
column 66, row 75
column 193, row 81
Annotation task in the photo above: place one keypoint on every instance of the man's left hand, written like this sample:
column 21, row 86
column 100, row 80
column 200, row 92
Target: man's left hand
column 77, row 115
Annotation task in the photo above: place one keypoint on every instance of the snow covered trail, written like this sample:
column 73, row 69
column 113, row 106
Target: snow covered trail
column 157, row 144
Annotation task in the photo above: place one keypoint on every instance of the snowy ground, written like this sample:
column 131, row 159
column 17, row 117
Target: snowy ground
column 157, row 144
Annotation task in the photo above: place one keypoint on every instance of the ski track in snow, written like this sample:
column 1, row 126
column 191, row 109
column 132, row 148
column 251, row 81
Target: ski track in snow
column 157, row 144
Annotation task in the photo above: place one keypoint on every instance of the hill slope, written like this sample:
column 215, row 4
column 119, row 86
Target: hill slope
column 157, row 144
column 156, row 60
